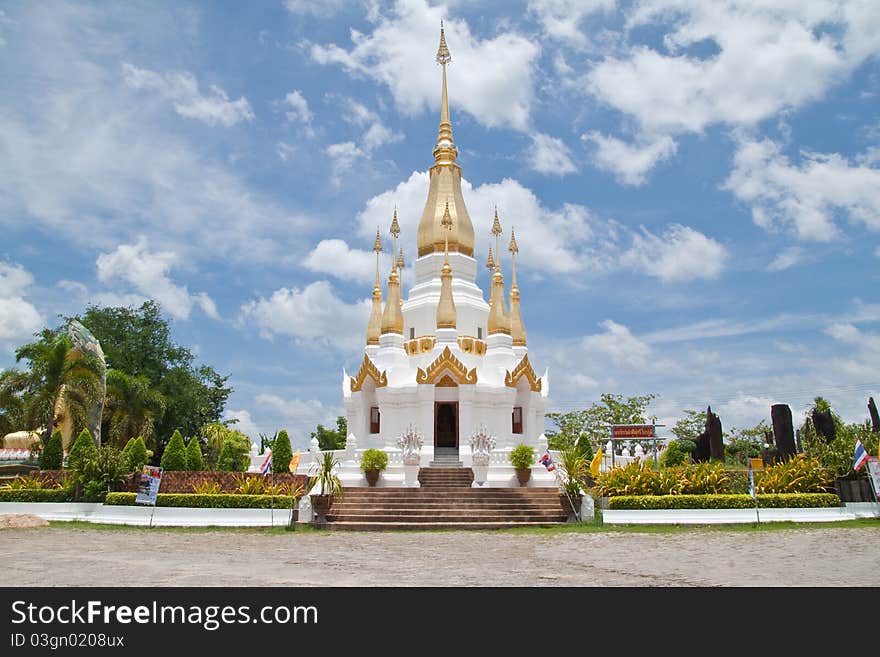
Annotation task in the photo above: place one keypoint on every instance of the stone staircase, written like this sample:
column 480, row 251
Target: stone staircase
column 445, row 501
column 445, row 457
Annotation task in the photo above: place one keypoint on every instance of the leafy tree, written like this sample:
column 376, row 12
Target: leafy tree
column 677, row 452
column 52, row 454
column 281, row 453
column 743, row 444
column 215, row 434
column 690, row 426
column 194, row 460
column 329, row 439
column 83, row 447
column 56, row 370
column 591, row 424
column 266, row 441
column 99, row 472
column 12, row 406
column 133, row 407
column 235, row 453
column 174, row 456
column 135, row 454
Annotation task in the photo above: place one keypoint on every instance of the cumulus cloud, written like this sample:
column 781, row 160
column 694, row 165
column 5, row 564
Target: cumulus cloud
column 561, row 19
column 298, row 416
column 336, row 258
column 244, row 423
column 630, row 162
column 680, row 253
column 296, row 107
column 805, row 197
column 19, row 319
column 550, row 155
column 182, row 89
column 619, row 346
column 495, row 85
column 147, row 271
column 311, row 315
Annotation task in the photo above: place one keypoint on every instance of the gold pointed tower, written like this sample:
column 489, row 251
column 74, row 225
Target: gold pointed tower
column 392, row 317
column 446, row 307
column 517, row 328
column 374, row 327
column 499, row 320
column 445, row 185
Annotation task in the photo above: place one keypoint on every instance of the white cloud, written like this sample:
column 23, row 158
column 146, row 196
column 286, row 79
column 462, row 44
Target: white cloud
column 297, row 107
column 336, row 258
column 630, row 162
column 786, row 258
column 245, row 424
column 19, row 319
column 618, row 345
column 376, row 134
column 344, row 155
column 321, row 8
column 148, row 272
column 877, row 252
column 805, row 197
column 285, row 151
column 550, row 155
column 561, row 19
column 496, row 79
column 313, row 314
column 298, row 416
column 680, row 253
column 182, row 89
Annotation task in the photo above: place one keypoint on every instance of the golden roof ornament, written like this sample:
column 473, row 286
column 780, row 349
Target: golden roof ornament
column 499, row 321
column 496, row 231
column 443, row 56
column 446, row 317
column 374, row 326
column 395, row 227
column 400, row 261
column 377, row 245
column 490, row 261
column 513, row 248
column 392, row 317
column 517, row 327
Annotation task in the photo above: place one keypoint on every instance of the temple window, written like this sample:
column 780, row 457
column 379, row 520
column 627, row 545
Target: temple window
column 517, row 419
column 374, row 419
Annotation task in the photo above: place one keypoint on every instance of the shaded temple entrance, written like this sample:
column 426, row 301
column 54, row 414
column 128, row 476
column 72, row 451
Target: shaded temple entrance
column 446, row 424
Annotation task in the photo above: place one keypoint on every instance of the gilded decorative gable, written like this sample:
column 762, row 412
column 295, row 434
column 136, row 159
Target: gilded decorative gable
column 447, row 361
column 524, row 369
column 368, row 369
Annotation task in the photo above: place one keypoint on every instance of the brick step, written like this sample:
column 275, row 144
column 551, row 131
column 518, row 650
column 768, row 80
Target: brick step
column 446, row 517
column 396, row 504
column 448, row 493
column 384, row 490
column 428, row 526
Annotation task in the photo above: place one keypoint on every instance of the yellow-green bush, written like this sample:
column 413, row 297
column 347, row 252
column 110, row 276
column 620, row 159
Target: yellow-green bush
column 642, row 479
column 766, row 501
column 802, row 474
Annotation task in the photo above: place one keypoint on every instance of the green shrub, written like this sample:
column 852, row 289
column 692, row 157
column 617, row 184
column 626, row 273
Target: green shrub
column 29, row 495
column 641, row 479
column 250, row 484
column 766, row 501
column 374, row 459
column 281, row 453
column 135, row 454
column 207, row 488
column 83, row 447
column 52, row 454
column 575, row 471
column 195, row 462
column 31, row 483
column 522, row 457
column 99, row 472
column 801, row 474
column 174, row 456
column 235, row 453
column 222, row 501
column 677, row 452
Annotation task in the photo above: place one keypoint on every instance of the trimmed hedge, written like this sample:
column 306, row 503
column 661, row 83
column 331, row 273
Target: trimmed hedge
column 45, row 495
column 196, row 501
column 765, row 501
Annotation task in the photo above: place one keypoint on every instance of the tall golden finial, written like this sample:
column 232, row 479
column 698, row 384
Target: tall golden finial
column 445, row 151
column 496, row 231
column 443, row 56
column 400, row 261
column 395, row 231
column 446, row 306
column 377, row 247
column 490, row 262
column 517, row 327
column 514, row 249
column 374, row 326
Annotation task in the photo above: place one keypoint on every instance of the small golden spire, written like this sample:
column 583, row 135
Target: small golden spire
column 499, row 320
column 490, row 263
column 400, row 261
column 392, row 317
column 446, row 307
column 443, row 56
column 496, row 231
column 395, row 227
column 446, row 222
column 517, row 328
column 374, row 326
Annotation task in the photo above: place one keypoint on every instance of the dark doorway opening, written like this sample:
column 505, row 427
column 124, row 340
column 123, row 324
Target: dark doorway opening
column 445, row 424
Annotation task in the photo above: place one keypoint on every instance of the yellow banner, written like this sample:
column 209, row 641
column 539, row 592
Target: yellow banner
column 294, row 463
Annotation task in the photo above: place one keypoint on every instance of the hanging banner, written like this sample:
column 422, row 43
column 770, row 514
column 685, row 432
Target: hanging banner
column 148, row 487
column 632, row 431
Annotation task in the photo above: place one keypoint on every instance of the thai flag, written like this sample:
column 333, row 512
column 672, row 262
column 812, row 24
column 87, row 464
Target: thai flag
column 547, row 462
column 267, row 464
column 860, row 457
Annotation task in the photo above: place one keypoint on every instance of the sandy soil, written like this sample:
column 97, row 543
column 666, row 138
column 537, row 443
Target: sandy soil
column 791, row 557
column 21, row 520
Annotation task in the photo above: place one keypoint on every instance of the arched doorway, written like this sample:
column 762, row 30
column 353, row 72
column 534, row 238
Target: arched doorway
column 446, row 424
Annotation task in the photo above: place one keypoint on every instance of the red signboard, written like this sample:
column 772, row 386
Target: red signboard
column 633, row 431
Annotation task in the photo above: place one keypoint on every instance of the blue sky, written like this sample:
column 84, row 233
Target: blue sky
column 695, row 186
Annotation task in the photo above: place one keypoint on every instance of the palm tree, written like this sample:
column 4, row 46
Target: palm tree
column 12, row 385
column 133, row 407
column 58, row 373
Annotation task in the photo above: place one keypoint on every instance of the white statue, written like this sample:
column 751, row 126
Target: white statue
column 411, row 444
column 482, row 445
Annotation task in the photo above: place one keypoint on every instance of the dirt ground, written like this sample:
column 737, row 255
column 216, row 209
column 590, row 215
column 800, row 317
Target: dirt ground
column 826, row 556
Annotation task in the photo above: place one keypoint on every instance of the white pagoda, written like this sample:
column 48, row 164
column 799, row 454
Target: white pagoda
column 444, row 363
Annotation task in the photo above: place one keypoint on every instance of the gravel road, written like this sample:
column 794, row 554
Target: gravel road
column 700, row 557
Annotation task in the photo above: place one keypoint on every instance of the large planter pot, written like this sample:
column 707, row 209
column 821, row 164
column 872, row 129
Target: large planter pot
column 321, row 507
column 523, row 475
column 572, row 506
column 372, row 476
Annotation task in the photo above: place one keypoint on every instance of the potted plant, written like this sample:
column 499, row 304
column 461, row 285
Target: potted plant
column 521, row 457
column 330, row 487
column 574, row 470
column 373, row 462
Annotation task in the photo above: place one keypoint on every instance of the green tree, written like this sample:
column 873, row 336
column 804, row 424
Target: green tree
column 194, row 460
column 281, row 453
column 135, row 454
column 591, row 425
column 174, row 456
column 52, row 454
column 83, row 447
column 743, row 444
column 690, row 426
column 329, row 439
column 12, row 406
column 99, row 472
column 56, row 371
column 132, row 408
column 235, row 453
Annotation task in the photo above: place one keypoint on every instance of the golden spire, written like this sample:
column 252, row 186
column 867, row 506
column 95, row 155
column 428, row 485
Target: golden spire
column 496, row 231
column 392, row 318
column 446, row 306
column 490, row 264
column 445, row 184
column 400, row 261
column 499, row 321
column 374, row 326
column 517, row 328
column 395, row 231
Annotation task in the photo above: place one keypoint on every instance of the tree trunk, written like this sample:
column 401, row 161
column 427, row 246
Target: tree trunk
column 713, row 430
column 824, row 424
column 783, row 430
column 875, row 417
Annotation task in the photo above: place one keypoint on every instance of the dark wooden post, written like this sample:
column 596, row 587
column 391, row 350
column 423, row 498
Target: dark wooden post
column 713, row 430
column 824, row 424
column 783, row 430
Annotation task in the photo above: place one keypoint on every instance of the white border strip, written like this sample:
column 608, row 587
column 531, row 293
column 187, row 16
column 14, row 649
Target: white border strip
column 739, row 516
